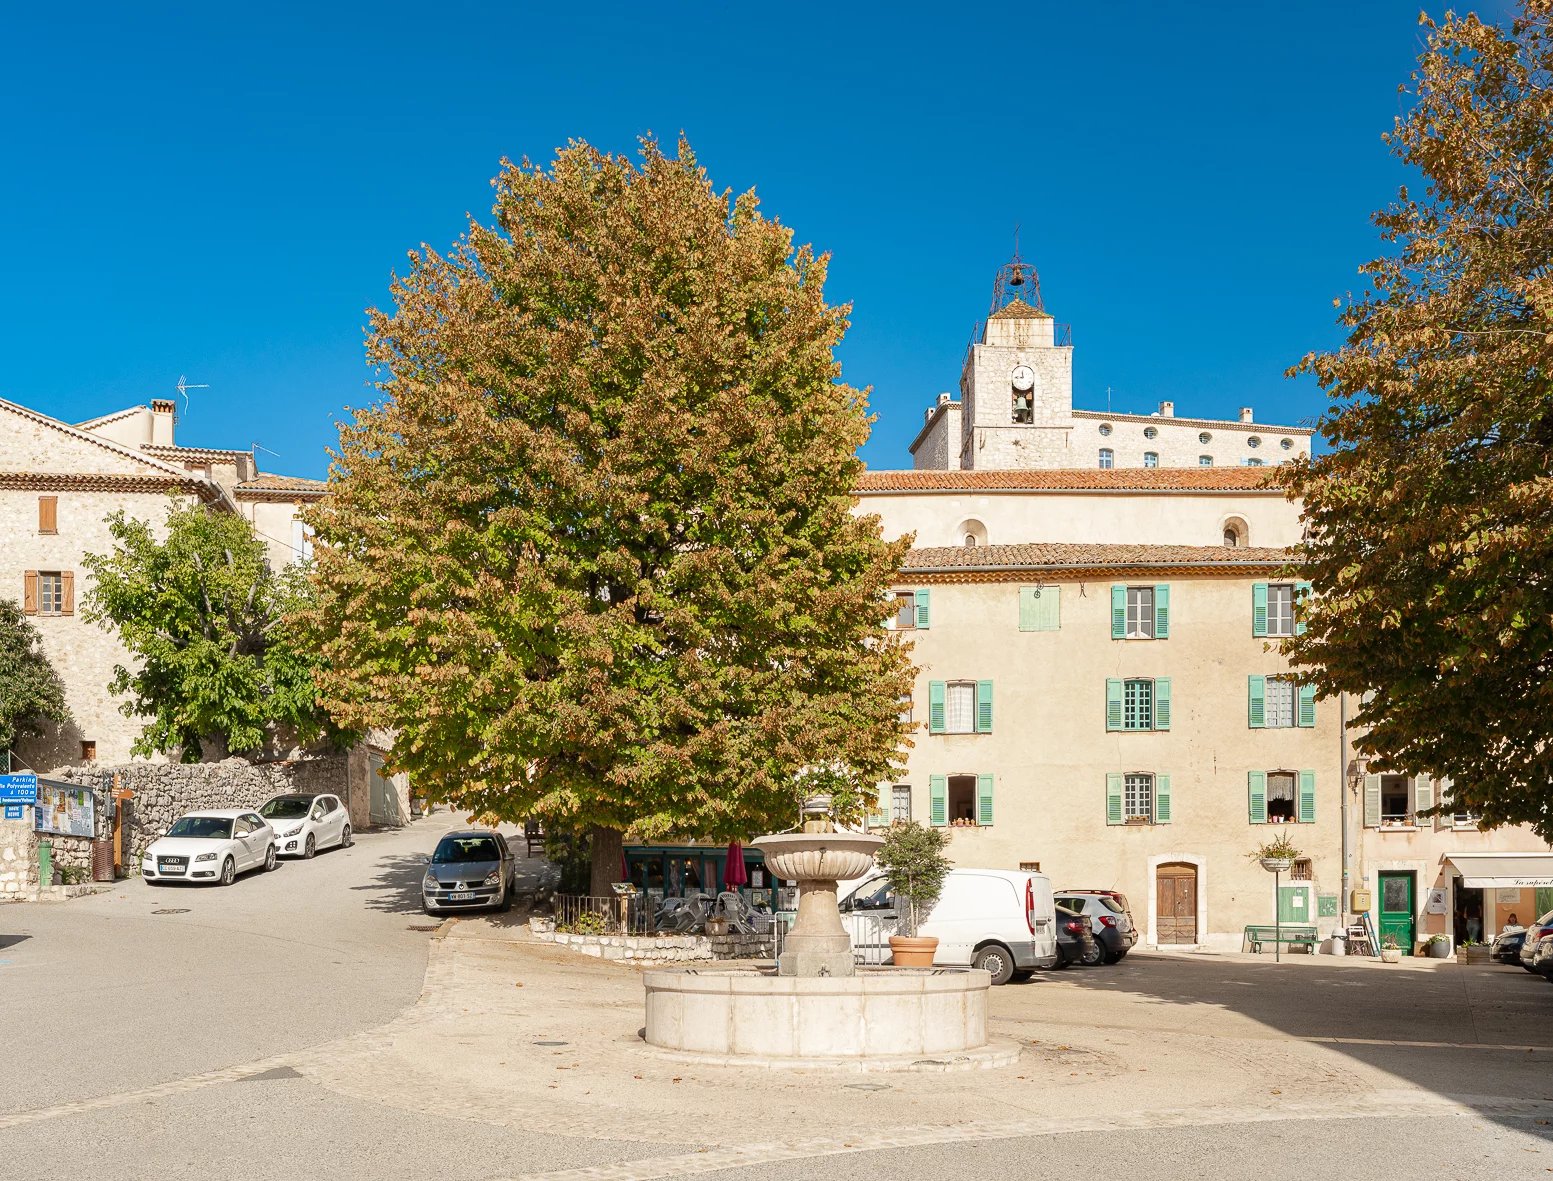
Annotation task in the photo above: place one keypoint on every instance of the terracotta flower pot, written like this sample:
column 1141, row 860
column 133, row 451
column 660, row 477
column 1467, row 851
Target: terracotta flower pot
column 912, row 952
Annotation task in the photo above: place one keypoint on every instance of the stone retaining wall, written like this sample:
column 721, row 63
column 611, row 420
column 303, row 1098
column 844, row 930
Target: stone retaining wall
column 661, row 949
column 18, row 860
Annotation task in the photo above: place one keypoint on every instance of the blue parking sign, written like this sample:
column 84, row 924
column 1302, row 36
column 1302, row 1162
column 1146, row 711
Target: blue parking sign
column 20, row 787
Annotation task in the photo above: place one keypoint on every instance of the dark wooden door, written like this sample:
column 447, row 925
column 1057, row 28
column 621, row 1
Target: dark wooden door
column 1176, row 903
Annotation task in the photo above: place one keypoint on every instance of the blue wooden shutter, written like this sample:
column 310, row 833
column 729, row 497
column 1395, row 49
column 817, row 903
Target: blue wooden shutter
column 1301, row 593
column 935, row 707
column 1256, row 794
column 923, row 612
column 938, row 800
column 1259, row 609
column 1307, row 797
column 1161, row 703
column 1118, row 612
column 1113, row 703
column 984, row 707
column 1307, row 706
column 1257, row 706
column 1162, row 612
column 1113, row 798
column 1161, row 799
column 984, row 799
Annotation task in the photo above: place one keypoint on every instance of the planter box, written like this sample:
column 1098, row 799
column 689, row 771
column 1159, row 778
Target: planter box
column 1473, row 955
column 1391, row 955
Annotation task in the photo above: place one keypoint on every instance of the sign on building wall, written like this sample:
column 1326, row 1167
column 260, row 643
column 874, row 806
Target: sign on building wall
column 1436, row 903
column 66, row 811
column 18, row 788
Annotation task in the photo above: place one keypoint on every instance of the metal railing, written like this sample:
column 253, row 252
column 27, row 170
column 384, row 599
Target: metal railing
column 586, row 914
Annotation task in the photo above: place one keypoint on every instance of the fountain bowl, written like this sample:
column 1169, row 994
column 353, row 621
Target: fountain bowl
column 830, row 856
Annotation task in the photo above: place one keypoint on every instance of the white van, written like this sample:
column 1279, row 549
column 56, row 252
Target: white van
column 1000, row 920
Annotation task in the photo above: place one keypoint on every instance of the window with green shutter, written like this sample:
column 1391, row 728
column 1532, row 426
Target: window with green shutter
column 984, row 799
column 1301, row 593
column 1161, row 703
column 1307, row 708
column 935, row 707
column 1118, row 612
column 1113, row 703
column 1162, row 612
column 1257, row 702
column 938, row 800
column 923, row 608
column 1161, row 799
column 1256, row 796
column 1113, row 799
column 984, row 707
column 1372, row 801
column 1259, row 609
column 1307, row 797
column 1039, row 608
column 1138, row 705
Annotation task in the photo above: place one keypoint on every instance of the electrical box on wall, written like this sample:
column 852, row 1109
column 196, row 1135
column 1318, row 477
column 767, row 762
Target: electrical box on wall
column 1360, row 901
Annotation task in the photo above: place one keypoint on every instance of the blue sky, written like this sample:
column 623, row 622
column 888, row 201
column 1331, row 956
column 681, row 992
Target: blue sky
column 221, row 190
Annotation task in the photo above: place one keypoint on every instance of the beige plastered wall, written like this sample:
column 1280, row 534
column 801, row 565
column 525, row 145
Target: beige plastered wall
column 1050, row 751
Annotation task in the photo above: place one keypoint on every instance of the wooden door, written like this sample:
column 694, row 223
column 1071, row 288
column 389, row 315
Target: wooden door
column 1176, row 903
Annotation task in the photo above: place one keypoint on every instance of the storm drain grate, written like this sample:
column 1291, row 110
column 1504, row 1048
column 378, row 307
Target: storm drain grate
column 172, row 910
column 424, row 926
column 552, row 1043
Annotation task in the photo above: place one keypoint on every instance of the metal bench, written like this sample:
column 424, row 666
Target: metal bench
column 1290, row 935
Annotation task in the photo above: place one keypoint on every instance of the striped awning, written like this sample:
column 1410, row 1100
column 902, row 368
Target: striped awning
column 1503, row 871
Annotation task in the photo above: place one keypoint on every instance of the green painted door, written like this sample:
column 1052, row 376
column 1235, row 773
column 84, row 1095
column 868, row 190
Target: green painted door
column 1294, row 905
column 1396, row 909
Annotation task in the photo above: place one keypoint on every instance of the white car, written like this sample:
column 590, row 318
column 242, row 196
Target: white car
column 305, row 822
column 212, row 846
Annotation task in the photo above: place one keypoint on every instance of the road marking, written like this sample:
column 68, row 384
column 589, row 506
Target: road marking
column 1520, row 1047
column 717, row 1160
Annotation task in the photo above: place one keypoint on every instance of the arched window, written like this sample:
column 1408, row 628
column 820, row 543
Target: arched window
column 1107, row 457
column 971, row 532
column 1151, row 459
column 1205, row 461
column 970, row 541
column 1236, row 532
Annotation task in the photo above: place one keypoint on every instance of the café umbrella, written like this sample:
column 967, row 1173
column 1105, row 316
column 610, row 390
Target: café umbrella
column 734, row 872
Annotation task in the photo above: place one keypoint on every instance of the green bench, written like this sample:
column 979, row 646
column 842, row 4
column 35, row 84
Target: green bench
column 1290, row 935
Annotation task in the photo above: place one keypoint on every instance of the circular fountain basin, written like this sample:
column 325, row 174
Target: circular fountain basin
column 831, row 856
column 879, row 1019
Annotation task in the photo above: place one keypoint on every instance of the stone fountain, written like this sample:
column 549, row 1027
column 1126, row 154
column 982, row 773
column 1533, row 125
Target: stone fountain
column 818, row 1010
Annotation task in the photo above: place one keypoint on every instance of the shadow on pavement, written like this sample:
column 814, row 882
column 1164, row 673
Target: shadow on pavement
column 395, row 887
column 11, row 940
column 1463, row 1032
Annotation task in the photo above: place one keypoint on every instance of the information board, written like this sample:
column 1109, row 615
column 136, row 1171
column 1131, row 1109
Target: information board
column 66, row 810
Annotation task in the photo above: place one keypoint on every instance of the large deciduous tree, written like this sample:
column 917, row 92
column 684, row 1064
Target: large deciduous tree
column 1430, row 522
column 220, row 667
column 31, row 692
column 593, row 556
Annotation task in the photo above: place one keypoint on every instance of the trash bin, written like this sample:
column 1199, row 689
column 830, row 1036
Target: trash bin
column 1339, row 943
column 45, row 864
column 102, row 860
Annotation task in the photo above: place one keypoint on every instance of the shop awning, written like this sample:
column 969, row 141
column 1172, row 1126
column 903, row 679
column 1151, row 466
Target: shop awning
column 1503, row 871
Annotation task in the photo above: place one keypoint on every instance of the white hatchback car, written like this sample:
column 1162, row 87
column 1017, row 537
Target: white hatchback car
column 210, row 847
column 305, row 822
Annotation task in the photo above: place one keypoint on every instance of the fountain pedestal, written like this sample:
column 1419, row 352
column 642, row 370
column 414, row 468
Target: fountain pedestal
column 818, row 945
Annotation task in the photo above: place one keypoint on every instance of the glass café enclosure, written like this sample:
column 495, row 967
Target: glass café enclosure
column 673, row 871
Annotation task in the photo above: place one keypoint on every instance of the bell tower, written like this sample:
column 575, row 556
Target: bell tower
column 1017, row 381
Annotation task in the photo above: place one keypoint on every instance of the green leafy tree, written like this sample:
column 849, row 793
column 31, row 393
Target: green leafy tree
column 220, row 666
column 31, row 692
column 594, row 556
column 915, row 861
column 1430, row 521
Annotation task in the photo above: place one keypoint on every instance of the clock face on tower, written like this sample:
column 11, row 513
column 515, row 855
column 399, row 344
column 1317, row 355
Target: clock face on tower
column 1023, row 377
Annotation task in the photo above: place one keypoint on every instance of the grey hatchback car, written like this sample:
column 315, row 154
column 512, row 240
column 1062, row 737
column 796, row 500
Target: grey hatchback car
column 1109, row 919
column 467, row 870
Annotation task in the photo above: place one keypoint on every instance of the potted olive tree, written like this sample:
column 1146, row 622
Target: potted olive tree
column 912, row 860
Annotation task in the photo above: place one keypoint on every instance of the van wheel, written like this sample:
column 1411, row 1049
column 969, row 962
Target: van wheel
column 998, row 960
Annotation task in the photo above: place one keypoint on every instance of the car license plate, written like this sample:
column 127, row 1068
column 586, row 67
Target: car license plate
column 461, row 896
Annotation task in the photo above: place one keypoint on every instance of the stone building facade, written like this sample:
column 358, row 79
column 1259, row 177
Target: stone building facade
column 59, row 482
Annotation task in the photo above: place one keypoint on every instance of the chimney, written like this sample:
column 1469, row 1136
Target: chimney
column 162, row 418
column 1245, row 414
column 943, row 399
column 1167, row 409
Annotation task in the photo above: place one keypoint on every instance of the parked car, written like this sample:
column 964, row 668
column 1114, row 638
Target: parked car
column 1002, row 921
column 305, row 823
column 1506, row 948
column 1532, row 941
column 210, row 847
column 468, row 870
column 1076, row 943
column 1541, row 960
column 1109, row 922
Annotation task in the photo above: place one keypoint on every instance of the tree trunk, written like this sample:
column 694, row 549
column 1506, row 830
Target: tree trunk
column 606, row 854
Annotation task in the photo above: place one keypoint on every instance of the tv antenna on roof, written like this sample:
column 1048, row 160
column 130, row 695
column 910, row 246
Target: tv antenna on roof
column 184, row 386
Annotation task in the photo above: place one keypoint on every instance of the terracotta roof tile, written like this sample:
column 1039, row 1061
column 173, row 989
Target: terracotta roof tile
column 1089, row 556
column 1142, row 479
column 273, row 483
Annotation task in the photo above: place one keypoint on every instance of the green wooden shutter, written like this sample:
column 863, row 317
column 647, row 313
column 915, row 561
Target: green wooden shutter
column 1307, row 797
column 1259, row 609
column 1301, row 593
column 1113, row 798
column 984, row 707
column 1423, row 794
column 938, row 800
column 1306, row 715
column 1162, row 612
column 1161, row 703
column 923, row 612
column 1372, row 801
column 1161, row 799
column 1257, row 702
column 1118, row 612
column 1039, row 608
column 984, row 799
column 879, row 816
column 1113, row 703
column 935, row 707
column 1256, row 792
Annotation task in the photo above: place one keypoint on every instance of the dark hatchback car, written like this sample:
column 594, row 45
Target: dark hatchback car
column 1075, row 942
column 1507, row 945
column 468, row 870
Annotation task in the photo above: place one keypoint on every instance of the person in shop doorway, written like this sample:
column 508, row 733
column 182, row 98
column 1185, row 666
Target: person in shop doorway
column 1474, row 923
